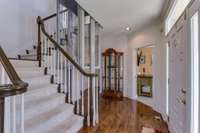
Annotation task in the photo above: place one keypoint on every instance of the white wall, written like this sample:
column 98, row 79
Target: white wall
column 149, row 35
column 18, row 27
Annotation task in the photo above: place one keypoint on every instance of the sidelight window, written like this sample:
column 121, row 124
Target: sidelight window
column 177, row 9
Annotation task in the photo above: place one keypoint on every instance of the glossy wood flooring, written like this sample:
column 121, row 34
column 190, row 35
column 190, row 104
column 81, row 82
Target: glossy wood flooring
column 125, row 116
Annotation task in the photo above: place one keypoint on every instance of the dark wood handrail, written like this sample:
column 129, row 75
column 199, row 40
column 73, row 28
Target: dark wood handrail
column 39, row 37
column 54, row 15
column 18, row 86
column 57, row 46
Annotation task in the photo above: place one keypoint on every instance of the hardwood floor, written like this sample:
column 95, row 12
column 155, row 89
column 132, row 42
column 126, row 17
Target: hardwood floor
column 125, row 116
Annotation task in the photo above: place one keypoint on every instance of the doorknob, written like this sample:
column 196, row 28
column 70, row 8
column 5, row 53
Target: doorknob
column 183, row 91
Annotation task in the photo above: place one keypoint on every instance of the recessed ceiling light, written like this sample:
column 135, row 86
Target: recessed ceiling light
column 128, row 28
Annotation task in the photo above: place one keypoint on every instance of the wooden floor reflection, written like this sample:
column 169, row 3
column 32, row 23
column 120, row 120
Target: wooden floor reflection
column 125, row 116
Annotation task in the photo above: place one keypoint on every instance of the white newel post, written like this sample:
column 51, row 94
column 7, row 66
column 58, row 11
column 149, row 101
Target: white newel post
column 92, row 43
column 10, row 108
column 82, row 52
column 7, row 104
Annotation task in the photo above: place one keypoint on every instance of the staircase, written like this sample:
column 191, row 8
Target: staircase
column 48, row 89
column 29, row 54
column 45, row 108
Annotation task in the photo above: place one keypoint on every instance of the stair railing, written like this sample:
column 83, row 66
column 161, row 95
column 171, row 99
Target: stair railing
column 12, row 89
column 72, row 79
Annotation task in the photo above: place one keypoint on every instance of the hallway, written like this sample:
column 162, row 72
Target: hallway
column 126, row 116
column 98, row 66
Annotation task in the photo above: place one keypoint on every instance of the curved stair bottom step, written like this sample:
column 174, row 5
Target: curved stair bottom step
column 70, row 125
column 44, row 121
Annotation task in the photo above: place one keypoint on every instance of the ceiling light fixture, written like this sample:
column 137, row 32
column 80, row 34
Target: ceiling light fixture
column 128, row 28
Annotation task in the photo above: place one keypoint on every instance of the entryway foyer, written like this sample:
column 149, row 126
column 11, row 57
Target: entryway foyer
column 78, row 66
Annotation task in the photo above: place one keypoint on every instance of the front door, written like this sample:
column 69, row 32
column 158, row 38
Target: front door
column 177, row 77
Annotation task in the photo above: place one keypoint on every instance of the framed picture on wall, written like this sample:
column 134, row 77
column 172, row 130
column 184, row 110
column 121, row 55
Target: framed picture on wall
column 144, row 86
column 142, row 60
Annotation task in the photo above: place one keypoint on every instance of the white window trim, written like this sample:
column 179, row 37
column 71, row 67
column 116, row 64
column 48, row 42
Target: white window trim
column 194, row 74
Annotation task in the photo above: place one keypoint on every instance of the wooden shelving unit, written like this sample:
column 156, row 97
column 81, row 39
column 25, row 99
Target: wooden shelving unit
column 113, row 74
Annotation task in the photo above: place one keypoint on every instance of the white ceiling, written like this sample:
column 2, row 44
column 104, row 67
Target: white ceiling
column 116, row 15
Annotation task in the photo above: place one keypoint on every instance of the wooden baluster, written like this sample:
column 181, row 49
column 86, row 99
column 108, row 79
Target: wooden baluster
column 7, row 106
column 73, row 85
column 47, row 57
column 94, row 100
column 42, row 50
column 61, row 73
column 69, row 82
column 54, row 64
column 88, row 102
column 54, row 59
column 58, row 70
column 45, row 53
column 2, row 101
column 13, row 114
column 7, row 125
column 51, row 58
column 66, row 81
column 44, row 44
column 65, row 77
column 39, row 47
column 78, row 91
column 97, row 99
column 22, row 114
column 82, row 95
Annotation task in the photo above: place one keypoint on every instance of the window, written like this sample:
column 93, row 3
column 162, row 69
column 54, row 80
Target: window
column 194, row 74
column 175, row 12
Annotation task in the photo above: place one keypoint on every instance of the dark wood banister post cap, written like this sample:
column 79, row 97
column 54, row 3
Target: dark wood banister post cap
column 38, row 20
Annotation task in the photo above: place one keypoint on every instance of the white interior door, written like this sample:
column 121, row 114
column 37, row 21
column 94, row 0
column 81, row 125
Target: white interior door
column 177, row 76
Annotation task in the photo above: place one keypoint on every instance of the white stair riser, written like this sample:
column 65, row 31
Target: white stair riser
column 29, row 57
column 41, row 92
column 32, row 52
column 36, row 110
column 51, row 122
column 27, row 74
column 69, row 125
column 38, row 82
column 22, row 63
column 75, row 128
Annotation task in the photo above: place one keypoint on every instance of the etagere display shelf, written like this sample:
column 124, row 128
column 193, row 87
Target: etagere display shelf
column 112, row 74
